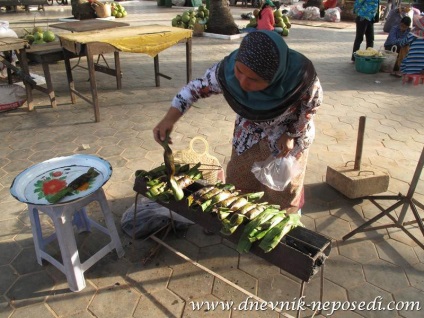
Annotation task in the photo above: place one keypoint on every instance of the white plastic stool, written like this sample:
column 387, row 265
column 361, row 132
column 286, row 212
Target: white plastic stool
column 63, row 217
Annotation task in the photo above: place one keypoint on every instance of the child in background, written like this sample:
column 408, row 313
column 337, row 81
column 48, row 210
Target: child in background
column 397, row 35
column 265, row 18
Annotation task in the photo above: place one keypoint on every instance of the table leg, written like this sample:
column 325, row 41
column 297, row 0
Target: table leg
column 118, row 70
column 157, row 76
column 23, row 61
column 93, row 85
column 188, row 59
column 50, row 90
column 71, row 84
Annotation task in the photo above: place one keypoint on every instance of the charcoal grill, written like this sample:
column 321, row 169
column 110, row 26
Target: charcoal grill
column 301, row 253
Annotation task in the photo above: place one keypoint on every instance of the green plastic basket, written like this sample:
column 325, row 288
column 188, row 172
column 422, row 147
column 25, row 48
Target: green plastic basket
column 368, row 64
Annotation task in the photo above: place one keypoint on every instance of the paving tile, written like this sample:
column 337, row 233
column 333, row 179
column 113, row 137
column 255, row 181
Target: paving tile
column 7, row 276
column 10, row 228
column 189, row 281
column 30, row 289
column 223, row 290
column 26, row 262
column 415, row 275
column 256, row 266
column 378, row 271
column 162, row 303
column 332, row 226
column 408, row 302
column 278, row 288
column 39, row 310
column 361, row 252
column 149, row 278
column 201, row 306
column 396, row 252
column 368, row 293
column 343, row 271
column 105, row 300
column 64, row 302
column 196, row 236
column 218, row 258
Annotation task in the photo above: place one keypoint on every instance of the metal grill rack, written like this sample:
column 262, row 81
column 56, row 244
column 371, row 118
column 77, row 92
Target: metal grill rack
column 301, row 253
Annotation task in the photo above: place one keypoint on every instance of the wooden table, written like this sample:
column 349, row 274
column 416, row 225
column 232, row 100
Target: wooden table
column 7, row 45
column 88, row 25
column 150, row 40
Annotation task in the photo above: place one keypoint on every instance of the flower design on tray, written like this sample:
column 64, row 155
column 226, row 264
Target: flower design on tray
column 56, row 184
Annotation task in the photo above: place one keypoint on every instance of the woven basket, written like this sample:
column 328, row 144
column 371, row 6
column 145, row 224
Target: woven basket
column 210, row 166
column 103, row 10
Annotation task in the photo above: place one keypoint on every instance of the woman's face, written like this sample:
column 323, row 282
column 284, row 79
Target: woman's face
column 249, row 80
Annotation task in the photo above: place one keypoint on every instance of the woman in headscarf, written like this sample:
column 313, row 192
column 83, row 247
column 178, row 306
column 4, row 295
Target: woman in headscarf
column 413, row 63
column 275, row 93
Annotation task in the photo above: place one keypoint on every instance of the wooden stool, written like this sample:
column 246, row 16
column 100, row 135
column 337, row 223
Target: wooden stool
column 64, row 216
column 414, row 78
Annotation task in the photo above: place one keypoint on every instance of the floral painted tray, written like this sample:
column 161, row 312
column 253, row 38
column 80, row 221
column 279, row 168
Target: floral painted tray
column 47, row 178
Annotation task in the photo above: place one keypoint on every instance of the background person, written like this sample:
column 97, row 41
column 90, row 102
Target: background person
column 275, row 92
column 397, row 35
column 413, row 63
column 265, row 18
column 365, row 11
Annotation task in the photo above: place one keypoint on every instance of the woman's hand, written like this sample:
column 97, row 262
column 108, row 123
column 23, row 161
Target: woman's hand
column 166, row 125
column 285, row 144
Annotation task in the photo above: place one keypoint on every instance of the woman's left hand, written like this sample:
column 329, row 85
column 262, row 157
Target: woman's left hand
column 285, row 144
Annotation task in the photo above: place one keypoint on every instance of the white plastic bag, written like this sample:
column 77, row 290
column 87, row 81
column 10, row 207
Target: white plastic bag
column 332, row 15
column 275, row 173
column 311, row 13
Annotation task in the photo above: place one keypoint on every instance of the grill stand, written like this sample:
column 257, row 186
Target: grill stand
column 153, row 252
column 402, row 200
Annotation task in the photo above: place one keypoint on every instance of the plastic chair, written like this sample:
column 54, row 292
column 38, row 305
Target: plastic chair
column 64, row 216
column 414, row 78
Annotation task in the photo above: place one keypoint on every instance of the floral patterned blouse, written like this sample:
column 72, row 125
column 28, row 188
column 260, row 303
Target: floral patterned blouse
column 296, row 121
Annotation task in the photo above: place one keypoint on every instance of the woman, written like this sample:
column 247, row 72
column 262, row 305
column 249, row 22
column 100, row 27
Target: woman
column 275, row 92
column 398, row 34
column 413, row 63
column 365, row 11
column 265, row 19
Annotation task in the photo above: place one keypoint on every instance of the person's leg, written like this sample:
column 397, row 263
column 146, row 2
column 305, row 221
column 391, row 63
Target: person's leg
column 360, row 31
column 369, row 34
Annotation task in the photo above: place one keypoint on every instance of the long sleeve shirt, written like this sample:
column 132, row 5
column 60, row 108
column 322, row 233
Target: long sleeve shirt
column 396, row 36
column 296, row 121
column 366, row 9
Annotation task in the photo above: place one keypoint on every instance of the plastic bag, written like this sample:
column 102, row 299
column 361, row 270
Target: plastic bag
column 275, row 173
column 150, row 217
column 296, row 12
column 332, row 15
column 389, row 60
column 311, row 13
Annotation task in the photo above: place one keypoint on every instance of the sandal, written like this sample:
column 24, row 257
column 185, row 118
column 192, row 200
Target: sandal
column 396, row 74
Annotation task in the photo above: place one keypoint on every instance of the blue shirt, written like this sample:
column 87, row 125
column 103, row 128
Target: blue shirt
column 396, row 36
column 366, row 9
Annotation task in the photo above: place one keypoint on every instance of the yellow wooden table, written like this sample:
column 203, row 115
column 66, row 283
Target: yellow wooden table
column 150, row 39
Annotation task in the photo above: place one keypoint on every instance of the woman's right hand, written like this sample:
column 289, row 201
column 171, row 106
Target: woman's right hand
column 166, row 125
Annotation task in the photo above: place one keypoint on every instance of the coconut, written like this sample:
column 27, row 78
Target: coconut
column 49, row 36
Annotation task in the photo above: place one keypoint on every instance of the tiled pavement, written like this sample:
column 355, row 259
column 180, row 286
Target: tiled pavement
column 382, row 263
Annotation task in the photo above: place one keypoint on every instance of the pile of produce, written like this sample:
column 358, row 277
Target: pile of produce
column 281, row 20
column 264, row 222
column 39, row 36
column 118, row 11
column 189, row 18
column 370, row 52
